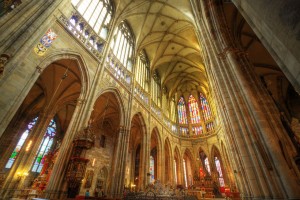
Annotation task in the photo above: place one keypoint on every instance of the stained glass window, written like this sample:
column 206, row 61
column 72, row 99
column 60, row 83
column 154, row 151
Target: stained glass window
column 97, row 13
column 197, row 130
column 184, row 130
column 209, row 126
column 44, row 147
column 151, row 169
column 184, row 171
column 182, row 118
column 194, row 110
column 219, row 169
column 142, row 74
column 205, row 107
column 207, row 167
column 175, row 171
column 156, row 89
column 22, row 140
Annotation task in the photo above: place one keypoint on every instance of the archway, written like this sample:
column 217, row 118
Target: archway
column 135, row 169
column 218, row 171
column 105, row 121
column 204, row 163
column 51, row 102
column 155, row 155
column 177, row 168
column 188, row 168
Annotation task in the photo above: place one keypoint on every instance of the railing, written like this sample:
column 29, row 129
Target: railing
column 118, row 70
column 84, row 33
column 142, row 95
column 154, row 196
column 155, row 109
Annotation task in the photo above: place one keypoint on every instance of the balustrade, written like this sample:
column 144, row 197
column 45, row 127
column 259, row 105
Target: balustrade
column 82, row 31
column 118, row 70
column 142, row 95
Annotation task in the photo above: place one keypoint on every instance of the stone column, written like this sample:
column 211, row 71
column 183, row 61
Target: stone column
column 145, row 156
column 279, row 31
column 16, row 41
column 55, row 183
column 250, row 113
column 119, row 163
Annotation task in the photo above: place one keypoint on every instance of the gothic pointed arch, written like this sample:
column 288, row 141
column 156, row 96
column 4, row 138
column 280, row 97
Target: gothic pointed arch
column 182, row 113
column 205, row 161
column 194, row 110
column 218, row 166
column 109, row 103
column 188, row 167
column 136, row 151
column 156, row 153
column 177, row 166
column 52, row 97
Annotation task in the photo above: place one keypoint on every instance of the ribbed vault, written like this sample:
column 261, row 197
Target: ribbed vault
column 165, row 30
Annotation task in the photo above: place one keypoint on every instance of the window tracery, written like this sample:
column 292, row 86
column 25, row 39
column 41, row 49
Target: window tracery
column 45, row 146
column 205, row 107
column 219, row 169
column 194, row 110
column 182, row 117
column 20, row 143
column 156, row 89
column 123, row 44
column 97, row 14
column 142, row 70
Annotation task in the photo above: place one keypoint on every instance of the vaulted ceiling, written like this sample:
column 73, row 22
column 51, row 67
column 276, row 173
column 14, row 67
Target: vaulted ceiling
column 165, row 30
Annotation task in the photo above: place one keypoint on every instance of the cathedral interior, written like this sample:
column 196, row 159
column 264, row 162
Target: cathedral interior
column 112, row 99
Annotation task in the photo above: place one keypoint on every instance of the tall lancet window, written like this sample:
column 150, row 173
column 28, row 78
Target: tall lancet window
column 122, row 45
column 44, row 147
column 207, row 167
column 97, row 13
column 152, row 169
column 175, row 171
column 194, row 110
column 185, row 173
column 182, row 118
column 20, row 143
column 205, row 107
column 220, row 173
column 142, row 74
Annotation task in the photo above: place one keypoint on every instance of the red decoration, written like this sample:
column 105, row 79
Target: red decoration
column 201, row 172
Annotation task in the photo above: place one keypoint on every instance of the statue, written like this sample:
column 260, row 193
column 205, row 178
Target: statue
column 3, row 60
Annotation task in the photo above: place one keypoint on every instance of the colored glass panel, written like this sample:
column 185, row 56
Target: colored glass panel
column 207, row 167
column 175, row 171
column 151, row 169
column 97, row 13
column 209, row 126
column 182, row 118
column 205, row 107
column 197, row 130
column 44, row 147
column 184, row 171
column 219, row 169
column 184, row 131
column 194, row 110
column 20, row 143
